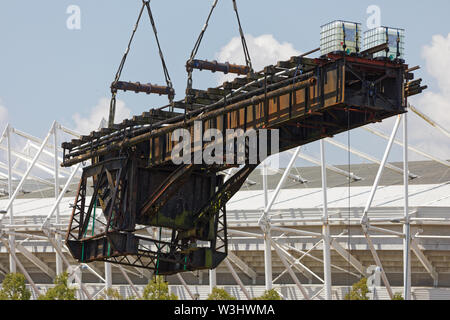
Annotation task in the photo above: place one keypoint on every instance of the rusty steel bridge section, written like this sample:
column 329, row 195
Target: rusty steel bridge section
column 137, row 185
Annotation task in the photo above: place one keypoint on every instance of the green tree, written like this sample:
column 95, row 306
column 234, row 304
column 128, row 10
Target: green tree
column 220, row 294
column 158, row 289
column 61, row 290
column 269, row 295
column 398, row 296
column 111, row 294
column 359, row 291
column 14, row 288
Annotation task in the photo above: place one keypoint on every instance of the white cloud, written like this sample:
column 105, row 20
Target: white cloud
column 99, row 114
column 264, row 50
column 437, row 56
column 3, row 116
column 435, row 104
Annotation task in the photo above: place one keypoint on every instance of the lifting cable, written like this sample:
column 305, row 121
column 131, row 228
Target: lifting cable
column 248, row 60
column 349, row 188
column 161, row 55
column 197, row 46
column 169, row 91
column 191, row 64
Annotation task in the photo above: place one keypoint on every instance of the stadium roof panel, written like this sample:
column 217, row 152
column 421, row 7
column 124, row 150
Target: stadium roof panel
column 428, row 172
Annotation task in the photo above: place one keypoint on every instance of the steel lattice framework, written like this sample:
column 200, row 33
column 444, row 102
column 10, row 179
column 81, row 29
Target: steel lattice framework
column 299, row 105
column 49, row 228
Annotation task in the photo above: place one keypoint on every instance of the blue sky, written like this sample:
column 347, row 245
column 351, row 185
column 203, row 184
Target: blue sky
column 50, row 73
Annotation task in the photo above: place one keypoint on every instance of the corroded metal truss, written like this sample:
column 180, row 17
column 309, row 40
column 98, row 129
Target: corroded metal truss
column 138, row 186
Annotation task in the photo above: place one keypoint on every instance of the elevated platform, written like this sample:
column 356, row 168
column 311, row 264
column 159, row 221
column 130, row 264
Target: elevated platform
column 312, row 94
column 136, row 181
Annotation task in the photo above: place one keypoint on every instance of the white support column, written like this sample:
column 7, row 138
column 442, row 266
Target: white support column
column 94, row 270
column 20, row 156
column 133, row 287
column 406, row 225
column 299, row 232
column 294, row 262
column 430, row 121
column 264, row 221
column 349, row 257
column 61, row 195
column 267, row 245
column 265, row 186
column 27, row 173
column 35, row 260
column 385, row 231
column 303, row 254
column 12, row 240
column 12, row 261
column 365, row 222
column 381, row 168
column 307, row 254
column 325, row 229
column 75, row 276
column 341, row 172
column 59, row 249
column 108, row 276
column 425, row 262
column 69, row 131
column 21, row 173
column 281, row 183
column 243, row 266
column 245, row 234
column 296, row 178
column 411, row 148
column 185, row 286
column 367, row 157
column 22, row 268
column 212, row 280
column 289, row 269
column 378, row 262
column 59, row 263
column 237, row 279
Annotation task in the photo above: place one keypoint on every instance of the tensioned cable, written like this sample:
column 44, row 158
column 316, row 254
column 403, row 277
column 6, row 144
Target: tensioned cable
column 349, row 192
column 248, row 60
column 194, row 52
column 161, row 55
column 198, row 42
column 112, row 108
column 145, row 5
column 124, row 58
column 202, row 33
